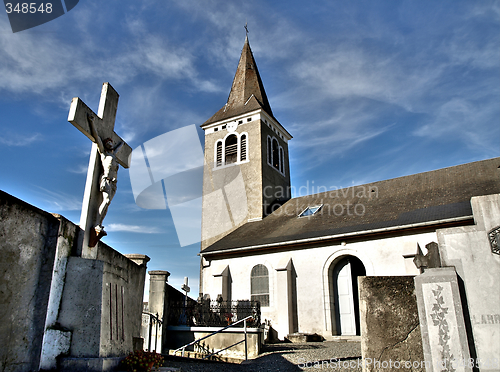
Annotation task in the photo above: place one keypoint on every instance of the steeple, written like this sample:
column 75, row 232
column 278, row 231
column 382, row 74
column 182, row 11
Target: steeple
column 247, row 92
column 247, row 172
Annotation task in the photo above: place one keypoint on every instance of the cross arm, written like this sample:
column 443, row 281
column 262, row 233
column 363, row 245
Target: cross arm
column 78, row 117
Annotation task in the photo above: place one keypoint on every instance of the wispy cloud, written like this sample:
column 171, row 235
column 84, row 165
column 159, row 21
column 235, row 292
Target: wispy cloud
column 58, row 201
column 442, row 82
column 39, row 62
column 14, row 139
column 80, row 169
column 133, row 228
column 466, row 120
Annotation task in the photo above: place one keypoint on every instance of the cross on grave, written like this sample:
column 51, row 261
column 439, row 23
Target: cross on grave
column 97, row 187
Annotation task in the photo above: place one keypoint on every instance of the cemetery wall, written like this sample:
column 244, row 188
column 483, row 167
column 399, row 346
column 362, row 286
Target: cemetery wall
column 56, row 302
column 28, row 238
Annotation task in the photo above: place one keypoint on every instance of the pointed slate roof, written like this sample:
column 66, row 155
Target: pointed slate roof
column 247, row 92
column 409, row 202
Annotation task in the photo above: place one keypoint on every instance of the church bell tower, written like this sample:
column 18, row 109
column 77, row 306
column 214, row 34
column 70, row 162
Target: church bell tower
column 247, row 172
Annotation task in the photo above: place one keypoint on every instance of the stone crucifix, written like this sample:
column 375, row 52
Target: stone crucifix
column 108, row 150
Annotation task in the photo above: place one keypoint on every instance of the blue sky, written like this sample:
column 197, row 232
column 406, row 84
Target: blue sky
column 370, row 90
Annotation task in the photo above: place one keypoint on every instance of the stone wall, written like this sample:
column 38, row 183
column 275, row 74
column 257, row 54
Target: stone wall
column 55, row 302
column 390, row 330
column 27, row 241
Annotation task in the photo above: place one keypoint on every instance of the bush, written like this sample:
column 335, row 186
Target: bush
column 142, row 361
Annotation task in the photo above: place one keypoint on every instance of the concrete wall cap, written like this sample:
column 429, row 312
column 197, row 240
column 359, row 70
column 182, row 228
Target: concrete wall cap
column 135, row 256
column 158, row 272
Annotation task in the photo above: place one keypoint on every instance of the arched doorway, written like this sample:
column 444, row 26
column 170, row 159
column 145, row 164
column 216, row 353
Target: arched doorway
column 345, row 295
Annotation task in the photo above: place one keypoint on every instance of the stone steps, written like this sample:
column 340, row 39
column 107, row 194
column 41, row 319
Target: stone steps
column 200, row 356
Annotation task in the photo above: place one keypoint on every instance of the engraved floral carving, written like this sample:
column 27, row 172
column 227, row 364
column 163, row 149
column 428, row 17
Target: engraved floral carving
column 438, row 315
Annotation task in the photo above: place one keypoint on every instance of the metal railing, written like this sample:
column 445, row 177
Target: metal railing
column 206, row 313
column 244, row 320
column 153, row 318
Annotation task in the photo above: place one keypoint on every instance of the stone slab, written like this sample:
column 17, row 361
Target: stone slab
column 390, row 330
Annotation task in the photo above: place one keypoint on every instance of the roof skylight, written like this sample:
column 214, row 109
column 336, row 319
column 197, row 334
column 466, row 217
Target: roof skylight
column 309, row 211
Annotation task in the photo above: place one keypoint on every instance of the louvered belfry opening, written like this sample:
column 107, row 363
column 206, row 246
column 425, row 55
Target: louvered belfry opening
column 231, row 149
column 243, row 149
column 219, row 154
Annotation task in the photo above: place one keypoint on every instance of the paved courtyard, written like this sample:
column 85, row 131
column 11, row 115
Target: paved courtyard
column 329, row 356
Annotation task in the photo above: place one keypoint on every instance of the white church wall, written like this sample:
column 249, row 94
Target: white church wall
column 380, row 257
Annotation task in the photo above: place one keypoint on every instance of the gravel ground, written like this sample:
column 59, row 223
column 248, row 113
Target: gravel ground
column 288, row 357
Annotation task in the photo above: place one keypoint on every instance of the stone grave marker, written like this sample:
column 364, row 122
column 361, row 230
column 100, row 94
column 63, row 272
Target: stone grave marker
column 444, row 336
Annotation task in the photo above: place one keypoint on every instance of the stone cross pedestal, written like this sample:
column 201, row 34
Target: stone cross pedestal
column 104, row 125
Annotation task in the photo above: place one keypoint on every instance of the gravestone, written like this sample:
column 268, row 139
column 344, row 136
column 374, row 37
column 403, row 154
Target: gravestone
column 390, row 329
column 444, row 337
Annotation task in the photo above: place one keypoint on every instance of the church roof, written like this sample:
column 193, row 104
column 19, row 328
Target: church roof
column 423, row 199
column 247, row 92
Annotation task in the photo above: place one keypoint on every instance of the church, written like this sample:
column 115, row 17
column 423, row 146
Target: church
column 301, row 257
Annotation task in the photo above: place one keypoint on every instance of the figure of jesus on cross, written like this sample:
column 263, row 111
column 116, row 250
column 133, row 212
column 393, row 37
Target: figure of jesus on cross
column 107, row 185
column 108, row 151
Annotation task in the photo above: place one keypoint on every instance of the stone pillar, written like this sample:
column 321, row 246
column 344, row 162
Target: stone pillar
column 140, row 260
column 158, row 301
column 286, row 298
column 444, row 337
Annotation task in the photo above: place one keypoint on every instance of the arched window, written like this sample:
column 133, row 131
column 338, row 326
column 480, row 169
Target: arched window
column 218, row 156
column 231, row 149
column 243, row 147
column 276, row 156
column 259, row 285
